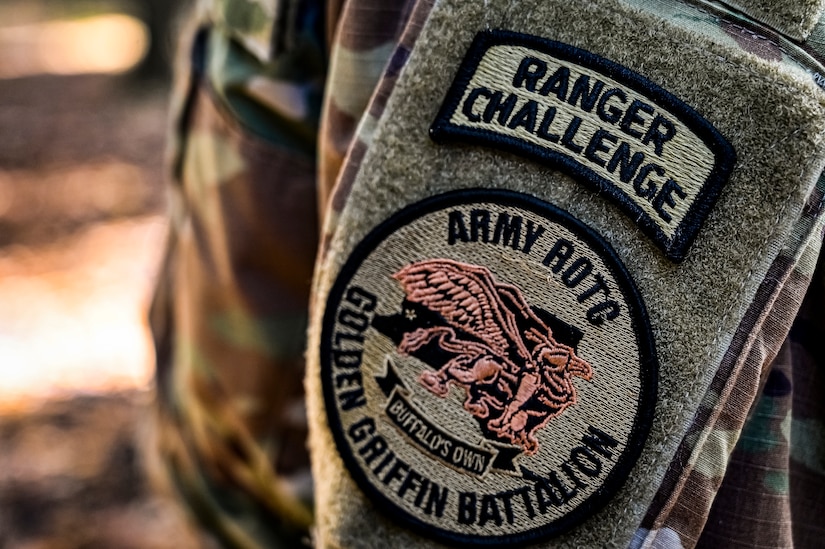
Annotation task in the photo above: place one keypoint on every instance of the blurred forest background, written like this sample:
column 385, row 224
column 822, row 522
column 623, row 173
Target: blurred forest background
column 84, row 88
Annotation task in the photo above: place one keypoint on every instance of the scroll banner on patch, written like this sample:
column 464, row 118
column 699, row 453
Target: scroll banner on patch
column 605, row 125
column 476, row 460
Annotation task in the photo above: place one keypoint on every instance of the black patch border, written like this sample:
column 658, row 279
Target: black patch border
column 676, row 248
column 640, row 323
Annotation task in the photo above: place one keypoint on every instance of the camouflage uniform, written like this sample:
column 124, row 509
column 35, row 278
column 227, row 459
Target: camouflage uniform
column 274, row 115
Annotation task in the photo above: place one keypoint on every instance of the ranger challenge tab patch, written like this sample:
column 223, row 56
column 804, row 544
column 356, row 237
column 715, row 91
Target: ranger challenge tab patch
column 488, row 368
column 658, row 158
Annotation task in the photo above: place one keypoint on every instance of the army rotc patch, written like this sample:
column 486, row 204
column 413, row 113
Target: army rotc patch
column 488, row 368
column 655, row 156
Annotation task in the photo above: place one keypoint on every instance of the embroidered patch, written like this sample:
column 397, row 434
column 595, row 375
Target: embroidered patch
column 488, row 368
column 598, row 121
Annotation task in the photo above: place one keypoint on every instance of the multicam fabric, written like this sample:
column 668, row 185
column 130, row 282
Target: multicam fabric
column 262, row 162
column 739, row 418
column 230, row 310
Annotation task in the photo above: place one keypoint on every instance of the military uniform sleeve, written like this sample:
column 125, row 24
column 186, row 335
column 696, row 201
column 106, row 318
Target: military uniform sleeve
column 312, row 158
column 477, row 116
column 230, row 310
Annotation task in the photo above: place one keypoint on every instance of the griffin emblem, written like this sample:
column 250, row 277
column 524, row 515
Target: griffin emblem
column 482, row 335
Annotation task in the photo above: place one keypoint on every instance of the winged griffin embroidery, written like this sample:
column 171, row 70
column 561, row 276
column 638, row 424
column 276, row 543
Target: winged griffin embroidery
column 516, row 375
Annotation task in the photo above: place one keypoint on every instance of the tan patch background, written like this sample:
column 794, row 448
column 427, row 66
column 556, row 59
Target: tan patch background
column 609, row 401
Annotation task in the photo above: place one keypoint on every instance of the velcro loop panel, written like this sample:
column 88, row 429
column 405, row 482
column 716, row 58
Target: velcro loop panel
column 524, row 204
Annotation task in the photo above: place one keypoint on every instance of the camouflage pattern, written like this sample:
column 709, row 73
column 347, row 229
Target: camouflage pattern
column 730, row 482
column 338, row 187
column 230, row 310
column 264, row 165
column 251, row 22
column 739, row 418
column 368, row 32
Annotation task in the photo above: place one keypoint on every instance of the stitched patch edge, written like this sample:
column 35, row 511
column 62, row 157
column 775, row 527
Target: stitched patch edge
column 641, row 326
column 675, row 247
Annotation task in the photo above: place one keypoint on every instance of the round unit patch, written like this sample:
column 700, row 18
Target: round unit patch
column 488, row 368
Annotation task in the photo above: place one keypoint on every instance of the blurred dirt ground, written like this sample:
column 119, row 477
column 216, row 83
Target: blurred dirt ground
column 81, row 234
column 73, row 474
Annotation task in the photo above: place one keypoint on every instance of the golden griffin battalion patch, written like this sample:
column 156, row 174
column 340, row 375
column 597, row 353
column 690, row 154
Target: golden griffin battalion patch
column 634, row 142
column 488, row 368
